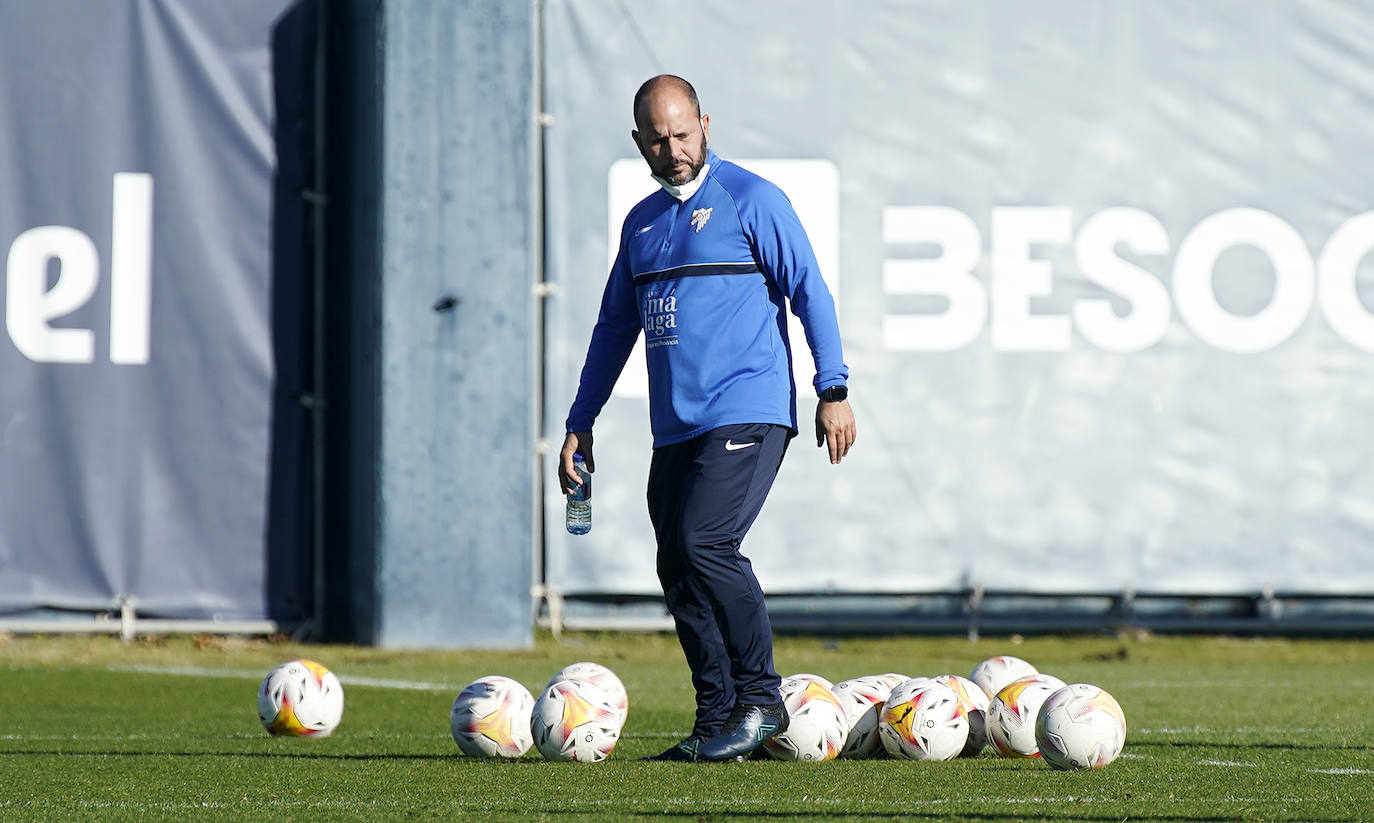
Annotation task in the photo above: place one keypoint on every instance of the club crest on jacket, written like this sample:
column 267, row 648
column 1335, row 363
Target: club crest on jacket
column 699, row 218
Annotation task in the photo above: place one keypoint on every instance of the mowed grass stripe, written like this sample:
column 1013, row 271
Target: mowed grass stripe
column 100, row 730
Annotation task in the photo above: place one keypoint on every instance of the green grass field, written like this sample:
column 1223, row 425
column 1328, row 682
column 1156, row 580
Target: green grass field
column 166, row 729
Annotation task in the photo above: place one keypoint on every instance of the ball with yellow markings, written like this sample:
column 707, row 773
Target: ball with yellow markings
column 300, row 698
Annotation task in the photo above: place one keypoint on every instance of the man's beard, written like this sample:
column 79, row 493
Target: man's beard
column 688, row 176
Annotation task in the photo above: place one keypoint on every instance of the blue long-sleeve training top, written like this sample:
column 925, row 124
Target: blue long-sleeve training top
column 704, row 279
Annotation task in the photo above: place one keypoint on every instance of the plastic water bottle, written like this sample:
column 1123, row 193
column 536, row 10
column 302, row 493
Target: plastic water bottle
column 579, row 516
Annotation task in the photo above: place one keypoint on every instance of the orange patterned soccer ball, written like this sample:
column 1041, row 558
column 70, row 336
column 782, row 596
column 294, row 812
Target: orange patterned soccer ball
column 923, row 720
column 862, row 699
column 974, row 702
column 993, row 674
column 491, row 718
column 601, row 676
column 576, row 720
column 816, row 725
column 1080, row 727
column 1011, row 716
column 300, row 698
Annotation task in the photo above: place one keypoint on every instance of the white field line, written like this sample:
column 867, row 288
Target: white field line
column 183, row 737
column 1228, row 764
column 247, row 674
column 1227, row 684
column 1239, row 730
column 1342, row 771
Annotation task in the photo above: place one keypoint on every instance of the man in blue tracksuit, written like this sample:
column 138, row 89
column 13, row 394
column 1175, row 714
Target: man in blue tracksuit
column 705, row 269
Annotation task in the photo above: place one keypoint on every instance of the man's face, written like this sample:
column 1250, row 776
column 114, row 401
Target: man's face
column 671, row 138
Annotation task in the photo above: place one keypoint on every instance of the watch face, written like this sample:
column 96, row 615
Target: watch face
column 835, row 394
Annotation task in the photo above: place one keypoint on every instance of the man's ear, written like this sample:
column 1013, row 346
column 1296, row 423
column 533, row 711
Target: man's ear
column 634, row 135
column 706, row 127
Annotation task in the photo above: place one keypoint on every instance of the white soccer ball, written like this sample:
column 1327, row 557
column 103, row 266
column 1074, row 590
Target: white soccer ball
column 862, row 699
column 795, row 681
column 892, row 679
column 1011, row 716
column 973, row 701
column 300, row 698
column 995, row 673
column 1080, row 727
column 491, row 718
column 601, row 676
column 816, row 726
column 575, row 720
column 922, row 720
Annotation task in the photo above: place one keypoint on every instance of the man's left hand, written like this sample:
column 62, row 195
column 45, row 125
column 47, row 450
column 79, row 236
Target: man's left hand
column 835, row 427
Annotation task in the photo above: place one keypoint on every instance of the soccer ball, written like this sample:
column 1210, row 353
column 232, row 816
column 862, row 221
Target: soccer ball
column 601, row 676
column 575, row 720
column 995, row 673
column 816, row 723
column 300, row 698
column 862, row 699
column 1011, row 716
column 789, row 684
column 974, row 703
column 491, row 718
column 922, row 720
column 893, row 679
column 1080, row 727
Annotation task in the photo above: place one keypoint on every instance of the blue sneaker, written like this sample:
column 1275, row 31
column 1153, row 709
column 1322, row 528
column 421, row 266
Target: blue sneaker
column 682, row 752
column 744, row 732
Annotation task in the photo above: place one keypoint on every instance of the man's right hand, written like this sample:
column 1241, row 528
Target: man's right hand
column 575, row 442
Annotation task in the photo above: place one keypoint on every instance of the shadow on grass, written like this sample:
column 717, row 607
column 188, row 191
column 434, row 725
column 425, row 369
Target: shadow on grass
column 1126, row 809
column 479, row 762
column 951, row 811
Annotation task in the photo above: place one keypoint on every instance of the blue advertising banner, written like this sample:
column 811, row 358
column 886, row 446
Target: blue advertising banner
column 136, row 368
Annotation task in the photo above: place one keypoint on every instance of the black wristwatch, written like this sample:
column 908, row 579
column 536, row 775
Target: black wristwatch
column 835, row 394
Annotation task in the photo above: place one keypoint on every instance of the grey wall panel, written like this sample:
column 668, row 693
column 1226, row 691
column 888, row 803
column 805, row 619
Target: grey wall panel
column 455, row 477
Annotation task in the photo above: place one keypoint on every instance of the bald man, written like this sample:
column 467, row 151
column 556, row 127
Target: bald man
column 706, row 268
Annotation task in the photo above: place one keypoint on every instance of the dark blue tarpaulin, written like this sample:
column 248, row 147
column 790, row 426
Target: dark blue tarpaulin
column 137, row 373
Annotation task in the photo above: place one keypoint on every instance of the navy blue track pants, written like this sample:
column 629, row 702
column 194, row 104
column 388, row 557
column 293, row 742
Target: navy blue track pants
column 704, row 494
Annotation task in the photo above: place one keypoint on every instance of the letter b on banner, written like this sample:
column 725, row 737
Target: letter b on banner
column 950, row 276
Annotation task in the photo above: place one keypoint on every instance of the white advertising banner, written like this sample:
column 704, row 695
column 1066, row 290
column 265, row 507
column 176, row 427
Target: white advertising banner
column 1103, row 274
